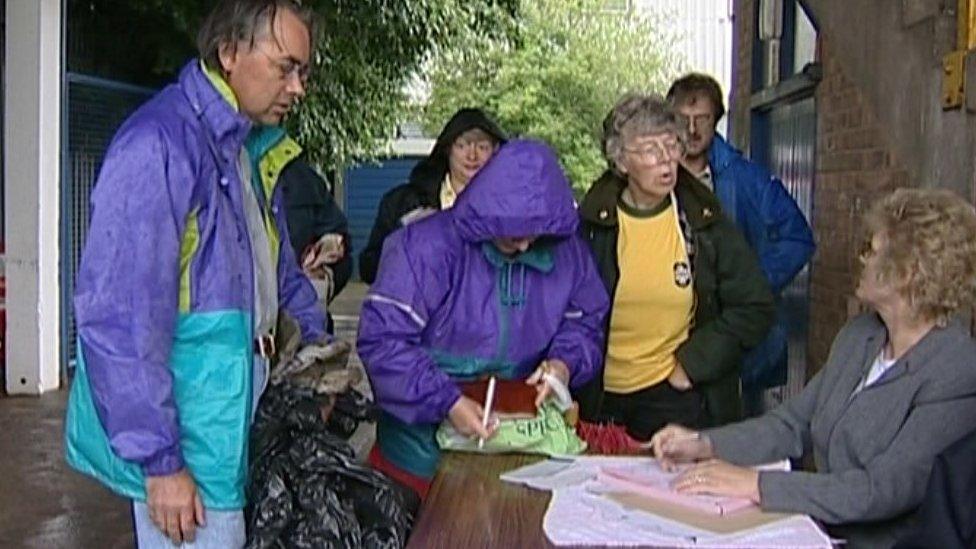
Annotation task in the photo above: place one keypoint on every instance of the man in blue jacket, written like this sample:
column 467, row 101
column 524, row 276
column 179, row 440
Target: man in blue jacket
column 186, row 264
column 762, row 209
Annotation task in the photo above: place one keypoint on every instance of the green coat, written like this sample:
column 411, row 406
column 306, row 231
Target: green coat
column 733, row 305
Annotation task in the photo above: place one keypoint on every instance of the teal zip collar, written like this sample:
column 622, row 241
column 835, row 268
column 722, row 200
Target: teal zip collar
column 538, row 257
column 511, row 270
column 259, row 141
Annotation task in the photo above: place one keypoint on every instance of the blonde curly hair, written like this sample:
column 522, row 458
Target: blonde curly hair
column 930, row 250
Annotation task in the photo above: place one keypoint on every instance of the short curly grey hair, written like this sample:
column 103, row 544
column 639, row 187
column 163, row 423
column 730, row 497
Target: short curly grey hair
column 637, row 115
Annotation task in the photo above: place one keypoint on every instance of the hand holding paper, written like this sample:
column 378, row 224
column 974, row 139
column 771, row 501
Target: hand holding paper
column 547, row 377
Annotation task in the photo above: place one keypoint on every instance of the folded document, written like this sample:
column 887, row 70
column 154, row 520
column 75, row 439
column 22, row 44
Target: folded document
column 653, row 482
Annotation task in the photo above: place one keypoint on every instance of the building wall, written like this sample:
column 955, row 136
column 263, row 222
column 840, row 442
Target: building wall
column 744, row 28
column 704, row 28
column 855, row 166
column 897, row 67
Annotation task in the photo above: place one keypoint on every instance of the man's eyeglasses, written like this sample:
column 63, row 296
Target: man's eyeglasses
column 657, row 152
column 698, row 121
column 287, row 68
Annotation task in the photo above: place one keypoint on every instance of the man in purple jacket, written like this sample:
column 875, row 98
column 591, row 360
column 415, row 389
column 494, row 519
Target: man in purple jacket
column 497, row 285
column 186, row 264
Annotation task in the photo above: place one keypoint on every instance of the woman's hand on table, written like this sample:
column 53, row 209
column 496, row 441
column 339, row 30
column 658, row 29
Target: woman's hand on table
column 467, row 417
column 553, row 367
column 676, row 444
column 720, row 478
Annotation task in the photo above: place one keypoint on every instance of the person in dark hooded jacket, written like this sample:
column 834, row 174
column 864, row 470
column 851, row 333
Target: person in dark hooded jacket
column 500, row 284
column 465, row 144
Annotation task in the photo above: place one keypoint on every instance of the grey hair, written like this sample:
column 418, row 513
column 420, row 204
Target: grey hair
column 233, row 21
column 637, row 115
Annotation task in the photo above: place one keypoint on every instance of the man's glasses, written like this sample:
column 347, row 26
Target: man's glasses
column 698, row 121
column 288, row 68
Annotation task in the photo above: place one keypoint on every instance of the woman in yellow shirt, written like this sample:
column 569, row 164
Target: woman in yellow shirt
column 687, row 293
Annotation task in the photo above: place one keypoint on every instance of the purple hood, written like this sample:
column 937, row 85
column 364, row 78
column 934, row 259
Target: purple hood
column 520, row 192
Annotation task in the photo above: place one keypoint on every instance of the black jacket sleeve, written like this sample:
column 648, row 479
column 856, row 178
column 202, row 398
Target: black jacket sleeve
column 386, row 222
column 744, row 306
column 312, row 212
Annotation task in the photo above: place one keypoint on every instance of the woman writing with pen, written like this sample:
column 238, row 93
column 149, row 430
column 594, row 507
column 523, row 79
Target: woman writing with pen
column 898, row 387
column 499, row 285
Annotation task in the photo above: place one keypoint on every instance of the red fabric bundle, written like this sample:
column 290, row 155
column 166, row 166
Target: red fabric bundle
column 607, row 438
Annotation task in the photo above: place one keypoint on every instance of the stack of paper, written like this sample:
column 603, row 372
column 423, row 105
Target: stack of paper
column 627, row 501
column 579, row 517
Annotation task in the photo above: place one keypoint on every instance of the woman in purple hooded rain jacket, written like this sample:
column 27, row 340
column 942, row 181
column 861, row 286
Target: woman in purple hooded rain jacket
column 499, row 285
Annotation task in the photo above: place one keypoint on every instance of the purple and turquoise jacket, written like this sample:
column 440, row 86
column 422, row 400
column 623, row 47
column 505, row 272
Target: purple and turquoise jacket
column 448, row 306
column 164, row 299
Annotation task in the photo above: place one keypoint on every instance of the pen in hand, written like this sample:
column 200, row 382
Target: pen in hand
column 489, row 399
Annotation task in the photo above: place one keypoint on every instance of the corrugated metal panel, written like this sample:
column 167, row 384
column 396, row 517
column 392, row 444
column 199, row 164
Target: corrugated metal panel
column 705, row 31
column 364, row 187
column 793, row 135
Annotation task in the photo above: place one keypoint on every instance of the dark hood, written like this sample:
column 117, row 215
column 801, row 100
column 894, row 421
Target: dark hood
column 522, row 191
column 433, row 168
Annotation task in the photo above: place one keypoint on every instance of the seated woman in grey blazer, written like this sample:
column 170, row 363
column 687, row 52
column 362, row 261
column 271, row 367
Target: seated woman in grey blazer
column 898, row 387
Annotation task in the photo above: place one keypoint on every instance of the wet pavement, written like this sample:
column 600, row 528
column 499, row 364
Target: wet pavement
column 45, row 504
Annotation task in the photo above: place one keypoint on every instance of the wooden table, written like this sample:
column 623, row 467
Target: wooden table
column 468, row 506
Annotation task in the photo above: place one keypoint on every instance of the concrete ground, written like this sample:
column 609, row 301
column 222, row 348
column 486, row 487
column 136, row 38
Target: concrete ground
column 44, row 504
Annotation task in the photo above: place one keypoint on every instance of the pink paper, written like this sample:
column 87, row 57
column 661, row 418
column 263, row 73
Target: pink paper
column 654, row 483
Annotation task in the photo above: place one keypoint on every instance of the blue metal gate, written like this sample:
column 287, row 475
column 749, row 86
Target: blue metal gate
column 93, row 111
column 364, row 187
column 790, row 154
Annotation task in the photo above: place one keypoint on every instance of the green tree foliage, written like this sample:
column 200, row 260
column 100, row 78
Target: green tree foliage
column 366, row 51
column 554, row 73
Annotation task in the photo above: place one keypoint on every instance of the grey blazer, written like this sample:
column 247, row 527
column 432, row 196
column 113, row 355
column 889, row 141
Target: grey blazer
column 873, row 451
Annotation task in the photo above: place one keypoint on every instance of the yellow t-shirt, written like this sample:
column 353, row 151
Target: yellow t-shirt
column 654, row 302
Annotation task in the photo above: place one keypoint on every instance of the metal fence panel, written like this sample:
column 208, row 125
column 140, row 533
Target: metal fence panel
column 95, row 109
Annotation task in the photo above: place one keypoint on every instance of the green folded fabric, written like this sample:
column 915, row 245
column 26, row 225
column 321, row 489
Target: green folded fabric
column 547, row 433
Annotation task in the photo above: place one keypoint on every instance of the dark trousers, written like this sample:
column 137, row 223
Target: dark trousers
column 646, row 411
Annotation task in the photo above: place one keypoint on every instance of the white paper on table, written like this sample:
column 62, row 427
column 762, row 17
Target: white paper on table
column 650, row 480
column 550, row 474
column 566, row 471
column 577, row 516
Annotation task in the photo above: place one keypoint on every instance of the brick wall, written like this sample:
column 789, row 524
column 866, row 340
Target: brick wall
column 743, row 31
column 855, row 166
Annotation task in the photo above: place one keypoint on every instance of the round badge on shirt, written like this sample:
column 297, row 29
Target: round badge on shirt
column 682, row 274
